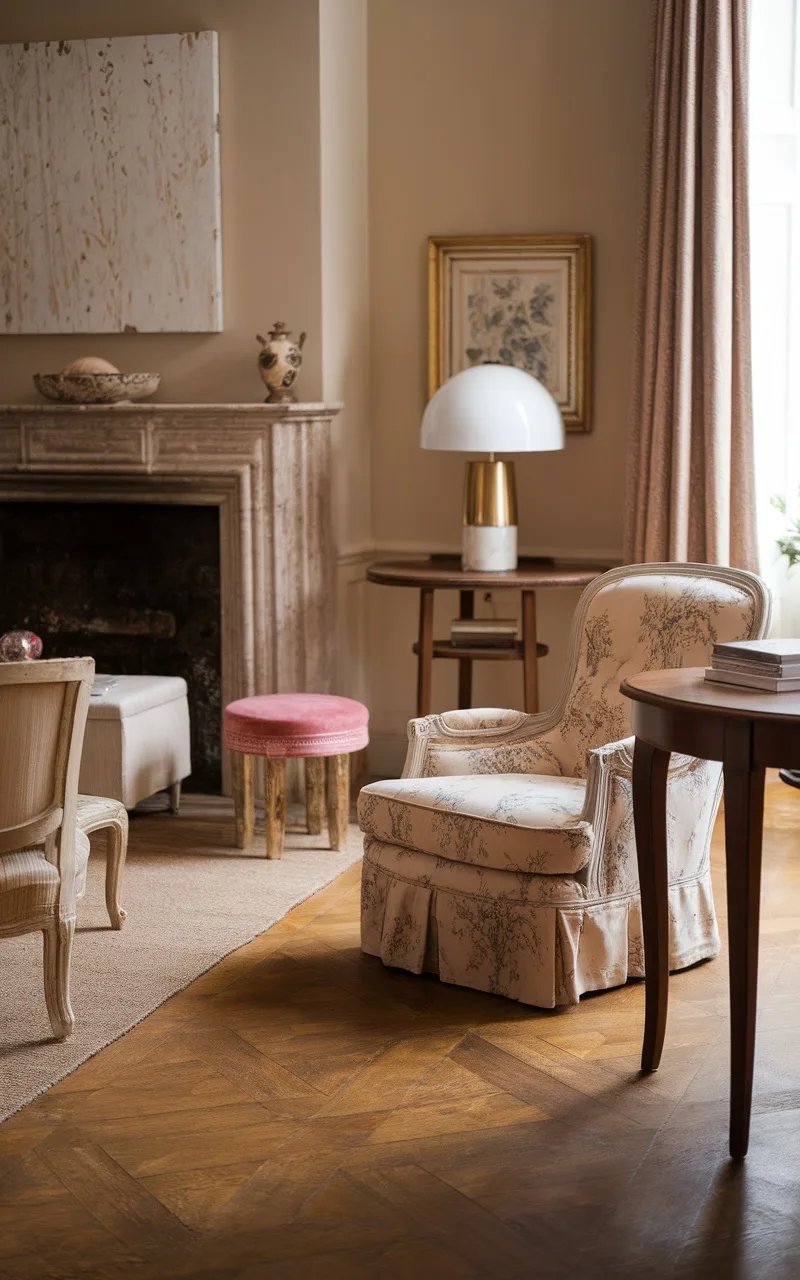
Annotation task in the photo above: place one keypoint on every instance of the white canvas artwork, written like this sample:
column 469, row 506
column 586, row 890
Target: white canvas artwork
column 110, row 189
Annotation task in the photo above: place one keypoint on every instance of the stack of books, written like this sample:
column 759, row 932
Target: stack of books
column 770, row 665
column 484, row 633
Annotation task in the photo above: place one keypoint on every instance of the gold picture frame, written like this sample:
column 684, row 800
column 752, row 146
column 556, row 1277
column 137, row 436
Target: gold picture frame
column 522, row 300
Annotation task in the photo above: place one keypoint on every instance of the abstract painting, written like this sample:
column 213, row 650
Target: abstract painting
column 110, row 199
column 516, row 300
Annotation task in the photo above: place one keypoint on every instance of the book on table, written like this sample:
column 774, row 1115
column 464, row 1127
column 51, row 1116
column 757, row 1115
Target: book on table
column 768, row 665
column 484, row 632
column 767, row 684
column 756, row 668
column 778, row 652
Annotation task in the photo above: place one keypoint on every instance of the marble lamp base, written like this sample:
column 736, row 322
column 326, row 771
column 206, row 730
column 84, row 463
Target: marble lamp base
column 489, row 548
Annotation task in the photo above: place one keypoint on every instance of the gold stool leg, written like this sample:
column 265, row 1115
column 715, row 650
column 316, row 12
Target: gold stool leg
column 243, row 806
column 337, row 770
column 315, row 793
column 274, row 805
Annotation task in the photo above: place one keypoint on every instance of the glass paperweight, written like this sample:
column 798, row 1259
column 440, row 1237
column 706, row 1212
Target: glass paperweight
column 20, row 646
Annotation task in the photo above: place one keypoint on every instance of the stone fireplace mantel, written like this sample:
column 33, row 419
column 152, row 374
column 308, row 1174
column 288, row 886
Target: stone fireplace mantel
column 266, row 467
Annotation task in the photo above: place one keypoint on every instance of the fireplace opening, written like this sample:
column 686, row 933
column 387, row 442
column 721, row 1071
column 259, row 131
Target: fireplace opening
column 136, row 586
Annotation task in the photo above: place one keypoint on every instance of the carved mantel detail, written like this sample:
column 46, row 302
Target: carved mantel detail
column 267, row 468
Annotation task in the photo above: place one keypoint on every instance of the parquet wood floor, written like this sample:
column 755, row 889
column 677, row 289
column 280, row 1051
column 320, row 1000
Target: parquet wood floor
column 300, row 1111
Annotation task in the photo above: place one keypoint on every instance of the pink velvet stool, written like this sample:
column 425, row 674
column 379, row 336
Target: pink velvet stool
column 320, row 728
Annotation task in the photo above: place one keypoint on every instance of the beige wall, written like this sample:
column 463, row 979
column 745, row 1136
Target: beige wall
column 502, row 115
column 270, row 141
column 483, row 115
column 496, row 115
column 345, row 258
column 345, row 315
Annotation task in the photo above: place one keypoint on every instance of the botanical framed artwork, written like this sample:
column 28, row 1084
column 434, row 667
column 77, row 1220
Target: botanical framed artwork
column 519, row 300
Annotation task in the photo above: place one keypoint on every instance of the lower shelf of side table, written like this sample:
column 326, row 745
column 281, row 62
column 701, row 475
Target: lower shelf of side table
column 485, row 653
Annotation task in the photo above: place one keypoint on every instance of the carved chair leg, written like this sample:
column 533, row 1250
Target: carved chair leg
column 315, row 794
column 57, row 956
column 243, row 804
column 274, row 805
column 175, row 797
column 116, row 851
column 337, row 769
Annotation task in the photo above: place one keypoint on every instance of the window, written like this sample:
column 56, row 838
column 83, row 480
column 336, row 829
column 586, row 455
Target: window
column 775, row 283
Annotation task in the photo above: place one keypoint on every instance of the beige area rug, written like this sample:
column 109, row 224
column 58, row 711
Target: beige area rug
column 191, row 899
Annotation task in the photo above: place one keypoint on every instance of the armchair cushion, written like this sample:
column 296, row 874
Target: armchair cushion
column 512, row 822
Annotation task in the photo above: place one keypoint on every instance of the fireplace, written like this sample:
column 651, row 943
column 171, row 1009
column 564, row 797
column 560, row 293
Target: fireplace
column 260, row 473
column 136, row 586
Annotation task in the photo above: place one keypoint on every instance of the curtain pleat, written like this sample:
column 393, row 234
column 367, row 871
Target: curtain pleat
column 690, row 483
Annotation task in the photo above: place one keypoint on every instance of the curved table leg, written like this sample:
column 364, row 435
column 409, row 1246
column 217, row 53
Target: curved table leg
column 650, row 765
column 744, row 816
column 425, row 657
column 466, row 610
column 530, row 668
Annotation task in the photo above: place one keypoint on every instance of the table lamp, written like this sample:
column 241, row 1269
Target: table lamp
column 491, row 408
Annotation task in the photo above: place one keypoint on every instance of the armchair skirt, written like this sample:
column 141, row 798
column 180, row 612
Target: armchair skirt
column 537, row 939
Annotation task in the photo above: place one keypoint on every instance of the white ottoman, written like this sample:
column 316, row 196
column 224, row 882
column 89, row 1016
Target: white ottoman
column 137, row 739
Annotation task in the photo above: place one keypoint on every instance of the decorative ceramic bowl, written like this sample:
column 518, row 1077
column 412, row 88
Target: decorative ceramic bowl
column 96, row 388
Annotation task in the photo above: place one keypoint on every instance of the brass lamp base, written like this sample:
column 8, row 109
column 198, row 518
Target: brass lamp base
column 489, row 533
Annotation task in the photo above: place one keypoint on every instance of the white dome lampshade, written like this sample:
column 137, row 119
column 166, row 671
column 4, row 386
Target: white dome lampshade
column 491, row 408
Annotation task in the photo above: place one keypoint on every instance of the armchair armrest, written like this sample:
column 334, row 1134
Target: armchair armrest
column 616, row 759
column 693, row 792
column 463, row 742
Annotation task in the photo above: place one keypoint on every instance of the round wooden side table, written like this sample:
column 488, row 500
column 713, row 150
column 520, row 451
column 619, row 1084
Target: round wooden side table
column 445, row 572
column 749, row 731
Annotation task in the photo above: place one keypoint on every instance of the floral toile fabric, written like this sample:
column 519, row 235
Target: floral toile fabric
column 504, row 859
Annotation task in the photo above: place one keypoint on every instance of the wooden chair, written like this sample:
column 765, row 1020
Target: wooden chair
column 43, row 855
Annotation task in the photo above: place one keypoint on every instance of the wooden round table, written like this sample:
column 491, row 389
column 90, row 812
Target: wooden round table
column 445, row 572
column 749, row 731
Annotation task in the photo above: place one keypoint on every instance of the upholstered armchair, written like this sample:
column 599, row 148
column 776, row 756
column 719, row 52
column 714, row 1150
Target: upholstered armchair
column 504, row 859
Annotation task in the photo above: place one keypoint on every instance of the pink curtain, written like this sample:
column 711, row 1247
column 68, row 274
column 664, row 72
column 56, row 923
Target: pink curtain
column 690, row 482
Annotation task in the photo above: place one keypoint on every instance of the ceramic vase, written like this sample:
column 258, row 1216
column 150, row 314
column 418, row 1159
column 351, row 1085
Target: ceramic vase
column 279, row 363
